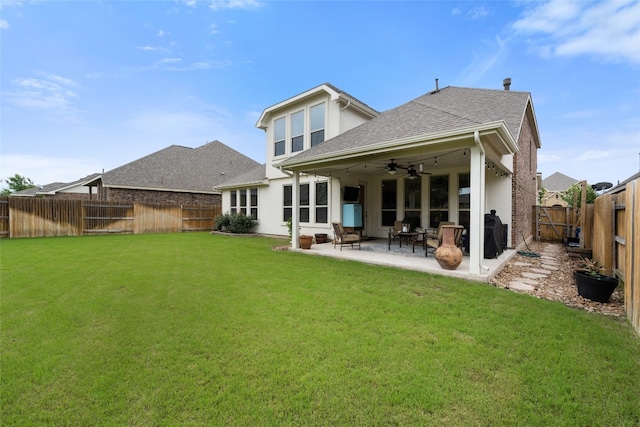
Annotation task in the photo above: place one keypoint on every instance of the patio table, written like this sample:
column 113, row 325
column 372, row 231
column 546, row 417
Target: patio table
column 409, row 236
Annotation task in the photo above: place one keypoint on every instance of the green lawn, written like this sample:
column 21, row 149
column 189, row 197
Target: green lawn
column 196, row 329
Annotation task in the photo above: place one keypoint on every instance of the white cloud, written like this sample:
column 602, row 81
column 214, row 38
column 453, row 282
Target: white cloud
column 483, row 62
column 235, row 4
column 456, row 11
column 49, row 92
column 213, row 29
column 477, row 12
column 607, row 30
column 161, row 33
column 4, row 25
column 592, row 155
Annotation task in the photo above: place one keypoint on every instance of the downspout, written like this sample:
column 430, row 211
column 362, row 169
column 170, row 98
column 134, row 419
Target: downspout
column 286, row 172
column 480, row 232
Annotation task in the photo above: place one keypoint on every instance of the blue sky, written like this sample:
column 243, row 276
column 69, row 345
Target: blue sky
column 89, row 86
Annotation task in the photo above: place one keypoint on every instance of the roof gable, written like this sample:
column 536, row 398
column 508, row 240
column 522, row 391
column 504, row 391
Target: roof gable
column 558, row 182
column 178, row 168
column 447, row 110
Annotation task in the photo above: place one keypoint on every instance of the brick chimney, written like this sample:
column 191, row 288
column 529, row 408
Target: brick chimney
column 507, row 83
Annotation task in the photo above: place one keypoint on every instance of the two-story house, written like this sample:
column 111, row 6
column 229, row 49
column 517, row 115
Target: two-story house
column 452, row 154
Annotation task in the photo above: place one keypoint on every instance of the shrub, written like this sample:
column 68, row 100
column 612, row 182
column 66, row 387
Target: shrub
column 235, row 223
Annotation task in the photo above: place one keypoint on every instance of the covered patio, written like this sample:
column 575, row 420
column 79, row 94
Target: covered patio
column 375, row 252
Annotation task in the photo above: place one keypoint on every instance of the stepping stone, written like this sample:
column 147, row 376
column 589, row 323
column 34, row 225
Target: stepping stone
column 522, row 264
column 527, row 281
column 534, row 275
column 541, row 271
column 549, row 267
column 519, row 286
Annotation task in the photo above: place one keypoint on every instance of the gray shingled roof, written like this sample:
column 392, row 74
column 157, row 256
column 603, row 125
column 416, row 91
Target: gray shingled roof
column 182, row 169
column 255, row 176
column 448, row 109
column 55, row 186
column 558, row 182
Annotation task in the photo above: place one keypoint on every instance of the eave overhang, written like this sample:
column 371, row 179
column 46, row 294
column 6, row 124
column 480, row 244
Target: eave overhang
column 495, row 134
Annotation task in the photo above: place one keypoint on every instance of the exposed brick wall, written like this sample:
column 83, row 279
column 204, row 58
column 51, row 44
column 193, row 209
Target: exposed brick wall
column 524, row 184
column 159, row 197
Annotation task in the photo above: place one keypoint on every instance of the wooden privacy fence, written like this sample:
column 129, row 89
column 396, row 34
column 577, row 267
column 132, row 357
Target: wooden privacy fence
column 557, row 224
column 616, row 243
column 36, row 217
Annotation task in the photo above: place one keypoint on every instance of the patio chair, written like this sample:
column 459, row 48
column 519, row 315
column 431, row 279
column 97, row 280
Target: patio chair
column 342, row 237
column 431, row 243
column 394, row 233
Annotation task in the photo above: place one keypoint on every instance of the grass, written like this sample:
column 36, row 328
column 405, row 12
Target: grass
column 195, row 329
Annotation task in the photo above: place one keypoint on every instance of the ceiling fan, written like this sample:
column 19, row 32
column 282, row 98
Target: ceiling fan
column 393, row 167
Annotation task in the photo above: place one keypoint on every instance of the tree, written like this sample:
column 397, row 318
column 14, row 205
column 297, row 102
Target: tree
column 573, row 195
column 17, row 183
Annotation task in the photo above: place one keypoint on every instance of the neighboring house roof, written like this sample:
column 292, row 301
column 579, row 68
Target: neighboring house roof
column 181, row 169
column 558, row 182
column 254, row 177
column 450, row 109
column 623, row 185
column 335, row 93
column 55, row 187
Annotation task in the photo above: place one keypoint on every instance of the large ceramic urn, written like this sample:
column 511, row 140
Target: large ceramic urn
column 448, row 255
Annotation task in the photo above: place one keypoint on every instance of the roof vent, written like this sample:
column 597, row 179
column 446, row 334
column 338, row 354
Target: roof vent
column 507, row 83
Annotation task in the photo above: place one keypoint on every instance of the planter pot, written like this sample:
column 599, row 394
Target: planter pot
column 598, row 288
column 448, row 255
column 321, row 238
column 305, row 241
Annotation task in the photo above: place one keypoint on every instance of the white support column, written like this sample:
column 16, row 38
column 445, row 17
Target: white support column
column 476, row 232
column 295, row 211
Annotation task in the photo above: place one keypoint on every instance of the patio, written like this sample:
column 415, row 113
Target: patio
column 375, row 252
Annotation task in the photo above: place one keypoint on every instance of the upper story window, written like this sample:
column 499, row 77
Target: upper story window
column 316, row 114
column 279, row 136
column 297, row 131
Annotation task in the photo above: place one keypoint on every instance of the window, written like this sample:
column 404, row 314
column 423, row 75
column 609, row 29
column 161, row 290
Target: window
column 322, row 201
column 243, row 201
column 439, row 200
column 254, row 203
column 304, row 202
column 297, row 131
column 287, row 202
column 412, row 200
column 464, row 200
column 234, row 202
column 389, row 202
column 279, row 136
column 317, row 124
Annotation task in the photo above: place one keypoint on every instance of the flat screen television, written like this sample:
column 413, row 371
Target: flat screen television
column 351, row 194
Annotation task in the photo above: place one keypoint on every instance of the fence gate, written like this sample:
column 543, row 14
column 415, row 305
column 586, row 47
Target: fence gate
column 553, row 223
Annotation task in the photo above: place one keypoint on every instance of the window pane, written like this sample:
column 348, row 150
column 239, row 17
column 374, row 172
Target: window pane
column 297, row 144
column 288, row 195
column 279, row 130
column 317, row 117
column 304, row 214
column 304, row 195
column 389, row 194
column 279, row 148
column 243, row 197
column 297, row 123
column 439, row 192
column 412, row 193
column 321, row 193
column 288, row 213
column 464, row 191
column 254, row 213
column 388, row 218
column 234, row 198
column 322, row 215
column 254, row 197
column 317, row 137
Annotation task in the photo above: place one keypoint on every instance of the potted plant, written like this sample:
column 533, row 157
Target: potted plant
column 304, row 240
column 592, row 284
